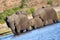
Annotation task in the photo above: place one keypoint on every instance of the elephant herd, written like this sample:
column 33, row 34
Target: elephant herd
column 19, row 21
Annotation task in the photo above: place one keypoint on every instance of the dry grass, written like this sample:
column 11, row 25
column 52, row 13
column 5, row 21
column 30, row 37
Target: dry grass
column 58, row 15
column 4, row 31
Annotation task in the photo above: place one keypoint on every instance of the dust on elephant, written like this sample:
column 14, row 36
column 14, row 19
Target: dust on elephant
column 48, row 15
column 36, row 22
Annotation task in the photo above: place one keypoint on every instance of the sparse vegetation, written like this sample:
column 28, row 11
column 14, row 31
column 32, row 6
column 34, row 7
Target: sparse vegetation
column 23, row 3
column 49, row 2
column 5, row 31
column 6, row 13
column 9, row 12
column 58, row 15
column 30, row 10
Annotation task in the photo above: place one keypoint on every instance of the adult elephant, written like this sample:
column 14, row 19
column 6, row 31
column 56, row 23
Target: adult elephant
column 51, row 13
column 48, row 15
column 10, row 23
column 15, row 22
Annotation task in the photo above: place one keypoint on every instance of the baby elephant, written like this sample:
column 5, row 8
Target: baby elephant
column 36, row 22
column 48, row 15
column 26, row 25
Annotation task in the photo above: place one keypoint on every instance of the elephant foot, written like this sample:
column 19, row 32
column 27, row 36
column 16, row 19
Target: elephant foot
column 36, row 27
column 21, row 31
column 44, row 25
column 33, row 27
column 30, row 28
column 14, row 32
column 18, row 32
column 55, row 21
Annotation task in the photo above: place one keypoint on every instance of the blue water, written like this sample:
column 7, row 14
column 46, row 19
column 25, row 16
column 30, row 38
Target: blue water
column 50, row 32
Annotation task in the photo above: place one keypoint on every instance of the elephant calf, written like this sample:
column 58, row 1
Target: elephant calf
column 36, row 22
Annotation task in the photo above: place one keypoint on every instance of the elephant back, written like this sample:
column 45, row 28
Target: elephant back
column 51, row 12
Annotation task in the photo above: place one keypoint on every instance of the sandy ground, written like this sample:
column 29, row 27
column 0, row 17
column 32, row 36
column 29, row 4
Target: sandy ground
column 4, row 29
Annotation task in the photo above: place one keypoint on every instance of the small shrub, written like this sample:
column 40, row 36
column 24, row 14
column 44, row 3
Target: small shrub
column 9, row 12
column 30, row 10
column 23, row 3
column 2, row 17
column 49, row 2
column 16, row 8
column 2, row 21
column 6, row 13
column 58, row 15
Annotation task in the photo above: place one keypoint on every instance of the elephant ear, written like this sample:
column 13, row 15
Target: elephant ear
column 7, row 22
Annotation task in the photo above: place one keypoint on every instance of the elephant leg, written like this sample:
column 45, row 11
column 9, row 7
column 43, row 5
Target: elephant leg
column 29, row 28
column 18, row 28
column 21, row 31
column 50, row 21
column 55, row 20
column 46, row 22
column 43, row 21
column 33, row 27
column 13, row 28
column 14, row 32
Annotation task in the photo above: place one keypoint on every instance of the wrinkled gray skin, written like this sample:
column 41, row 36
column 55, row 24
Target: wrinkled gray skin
column 52, row 14
column 26, row 25
column 10, row 22
column 15, row 22
column 48, row 15
column 36, row 22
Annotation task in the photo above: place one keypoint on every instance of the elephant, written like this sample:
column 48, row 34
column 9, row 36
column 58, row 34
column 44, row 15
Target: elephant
column 24, row 22
column 15, row 22
column 52, row 16
column 36, row 23
column 10, row 23
column 48, row 15
column 26, row 25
